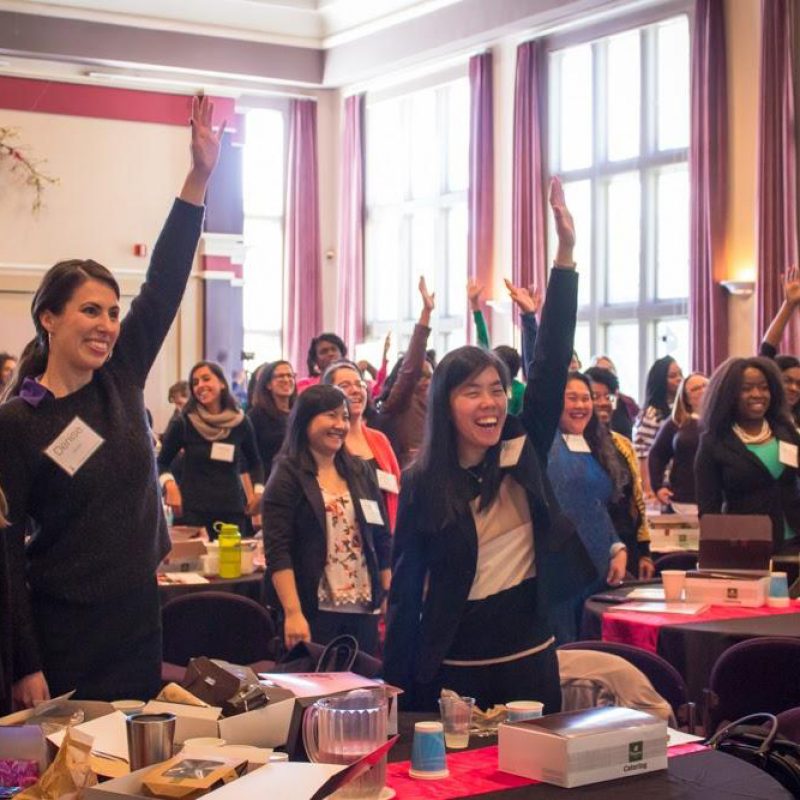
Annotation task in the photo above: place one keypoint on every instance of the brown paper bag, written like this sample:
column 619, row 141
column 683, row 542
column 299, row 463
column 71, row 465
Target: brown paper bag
column 69, row 774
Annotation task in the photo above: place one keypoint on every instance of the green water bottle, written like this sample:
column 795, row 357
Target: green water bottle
column 230, row 550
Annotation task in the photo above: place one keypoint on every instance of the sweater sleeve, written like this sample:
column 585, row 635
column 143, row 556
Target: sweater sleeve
column 767, row 350
column 279, row 503
column 661, row 454
column 147, row 323
column 252, row 460
column 171, row 444
column 407, row 378
column 530, row 329
column 708, row 482
column 481, row 330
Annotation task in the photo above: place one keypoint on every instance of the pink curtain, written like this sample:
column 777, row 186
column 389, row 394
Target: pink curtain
column 302, row 309
column 708, row 318
column 529, row 209
column 350, row 306
column 480, row 235
column 777, row 177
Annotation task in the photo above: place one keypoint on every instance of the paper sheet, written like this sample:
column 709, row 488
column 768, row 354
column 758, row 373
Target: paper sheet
column 110, row 735
column 689, row 609
column 679, row 737
column 646, row 593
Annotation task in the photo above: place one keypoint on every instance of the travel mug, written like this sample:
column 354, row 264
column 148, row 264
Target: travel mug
column 150, row 739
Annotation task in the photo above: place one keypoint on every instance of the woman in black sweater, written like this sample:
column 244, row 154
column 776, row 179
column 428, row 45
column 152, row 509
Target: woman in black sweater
column 78, row 470
column 222, row 477
column 274, row 394
column 747, row 462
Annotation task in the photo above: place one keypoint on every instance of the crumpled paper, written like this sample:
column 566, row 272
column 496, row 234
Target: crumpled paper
column 173, row 693
column 484, row 723
column 69, row 774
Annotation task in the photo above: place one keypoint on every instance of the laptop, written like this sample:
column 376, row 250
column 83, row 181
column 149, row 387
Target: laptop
column 739, row 545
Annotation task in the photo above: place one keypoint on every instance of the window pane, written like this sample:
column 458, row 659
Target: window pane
column 622, row 347
column 579, row 201
column 457, row 261
column 383, row 248
column 672, row 339
column 263, row 274
column 575, row 126
column 672, row 233
column 673, row 83
column 263, row 346
column 623, row 231
column 262, row 163
column 423, row 255
column 387, row 163
column 458, row 136
column 424, row 161
column 623, row 96
column 583, row 343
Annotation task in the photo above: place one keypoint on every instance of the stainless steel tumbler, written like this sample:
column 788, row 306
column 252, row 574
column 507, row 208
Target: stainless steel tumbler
column 150, row 738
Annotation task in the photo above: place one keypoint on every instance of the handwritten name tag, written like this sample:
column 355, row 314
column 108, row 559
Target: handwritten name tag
column 222, row 452
column 73, row 447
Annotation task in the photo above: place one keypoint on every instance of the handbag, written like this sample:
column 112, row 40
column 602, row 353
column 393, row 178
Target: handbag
column 765, row 749
column 341, row 654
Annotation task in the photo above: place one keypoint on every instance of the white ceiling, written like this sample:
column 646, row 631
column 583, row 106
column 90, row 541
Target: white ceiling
column 316, row 23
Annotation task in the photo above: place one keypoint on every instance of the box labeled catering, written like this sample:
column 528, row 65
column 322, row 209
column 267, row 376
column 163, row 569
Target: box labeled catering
column 723, row 589
column 576, row 748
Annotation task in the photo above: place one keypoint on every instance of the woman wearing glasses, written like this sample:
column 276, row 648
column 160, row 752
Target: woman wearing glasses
column 273, row 398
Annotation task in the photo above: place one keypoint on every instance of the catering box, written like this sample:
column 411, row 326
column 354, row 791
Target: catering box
column 673, row 533
column 722, row 589
column 184, row 556
column 576, row 748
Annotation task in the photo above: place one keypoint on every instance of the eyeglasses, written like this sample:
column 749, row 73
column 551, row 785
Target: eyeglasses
column 284, row 376
column 346, row 386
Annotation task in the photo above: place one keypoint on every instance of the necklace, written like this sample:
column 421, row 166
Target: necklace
column 764, row 435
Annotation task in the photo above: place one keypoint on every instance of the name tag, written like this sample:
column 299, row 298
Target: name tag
column 387, row 481
column 73, row 447
column 372, row 512
column 220, row 451
column 787, row 453
column 510, row 451
column 576, row 443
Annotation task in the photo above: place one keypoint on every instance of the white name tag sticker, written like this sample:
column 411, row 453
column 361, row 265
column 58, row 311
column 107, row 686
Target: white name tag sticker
column 72, row 448
column 387, row 481
column 510, row 451
column 787, row 453
column 222, row 452
column 576, row 443
column 372, row 512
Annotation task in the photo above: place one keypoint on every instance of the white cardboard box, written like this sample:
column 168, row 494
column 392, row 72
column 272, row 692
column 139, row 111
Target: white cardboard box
column 747, row 592
column 576, row 748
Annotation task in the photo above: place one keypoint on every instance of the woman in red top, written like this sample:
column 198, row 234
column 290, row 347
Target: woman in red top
column 368, row 444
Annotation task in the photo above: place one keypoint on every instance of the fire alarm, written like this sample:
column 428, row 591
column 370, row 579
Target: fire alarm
column 140, row 250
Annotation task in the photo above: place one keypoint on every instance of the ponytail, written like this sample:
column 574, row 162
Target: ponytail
column 32, row 362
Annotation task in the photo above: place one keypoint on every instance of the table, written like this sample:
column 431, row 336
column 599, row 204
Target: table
column 707, row 775
column 251, row 586
column 691, row 644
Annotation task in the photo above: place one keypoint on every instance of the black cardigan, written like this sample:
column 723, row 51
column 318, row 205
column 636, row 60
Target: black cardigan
column 420, row 626
column 732, row 480
column 295, row 536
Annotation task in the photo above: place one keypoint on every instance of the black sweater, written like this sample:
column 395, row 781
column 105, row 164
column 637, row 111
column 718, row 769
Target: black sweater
column 270, row 432
column 210, row 486
column 101, row 532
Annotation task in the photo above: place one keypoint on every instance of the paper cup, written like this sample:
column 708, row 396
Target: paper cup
column 428, row 758
column 517, row 710
column 673, row 580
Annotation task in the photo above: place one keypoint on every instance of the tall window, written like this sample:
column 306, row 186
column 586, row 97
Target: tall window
column 263, row 179
column 619, row 138
column 417, row 177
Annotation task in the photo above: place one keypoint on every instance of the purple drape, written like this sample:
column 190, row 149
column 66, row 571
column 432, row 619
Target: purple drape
column 350, row 306
column 708, row 318
column 302, row 310
column 480, row 229
column 777, row 178
column 529, row 209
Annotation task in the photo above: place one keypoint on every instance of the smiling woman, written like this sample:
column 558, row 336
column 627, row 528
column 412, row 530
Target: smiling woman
column 84, row 604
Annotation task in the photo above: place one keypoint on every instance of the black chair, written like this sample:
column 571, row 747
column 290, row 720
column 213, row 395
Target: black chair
column 666, row 680
column 217, row 625
column 682, row 560
column 760, row 675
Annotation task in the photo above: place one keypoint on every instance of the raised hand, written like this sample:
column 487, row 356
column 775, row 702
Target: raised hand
column 565, row 226
column 474, row 291
column 387, row 343
column 205, row 150
column 528, row 300
column 428, row 298
column 791, row 286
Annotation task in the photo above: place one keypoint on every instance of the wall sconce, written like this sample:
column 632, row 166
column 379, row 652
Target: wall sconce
column 739, row 288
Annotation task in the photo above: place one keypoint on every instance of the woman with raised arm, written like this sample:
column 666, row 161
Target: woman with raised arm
column 477, row 525
column 78, row 468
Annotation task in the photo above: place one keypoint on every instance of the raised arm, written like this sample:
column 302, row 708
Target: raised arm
column 544, row 393
column 791, row 299
column 474, row 291
column 529, row 301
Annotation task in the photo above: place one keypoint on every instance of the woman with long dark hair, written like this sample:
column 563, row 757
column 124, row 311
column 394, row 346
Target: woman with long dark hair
column 273, row 397
column 219, row 448
column 748, row 455
column 476, row 528
column 587, row 477
column 77, row 466
column 326, row 538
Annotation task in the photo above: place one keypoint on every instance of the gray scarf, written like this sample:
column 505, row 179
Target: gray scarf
column 214, row 427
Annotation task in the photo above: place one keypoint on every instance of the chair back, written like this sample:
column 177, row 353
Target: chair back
column 217, row 625
column 682, row 560
column 754, row 676
column 666, row 680
column 789, row 724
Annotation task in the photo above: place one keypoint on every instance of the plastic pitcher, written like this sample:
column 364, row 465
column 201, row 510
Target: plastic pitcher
column 340, row 730
column 230, row 550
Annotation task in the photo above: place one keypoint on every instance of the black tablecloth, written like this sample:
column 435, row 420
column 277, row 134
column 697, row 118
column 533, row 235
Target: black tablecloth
column 699, row 776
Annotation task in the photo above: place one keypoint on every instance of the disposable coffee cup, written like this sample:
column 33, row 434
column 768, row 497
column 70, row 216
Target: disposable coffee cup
column 518, row 710
column 673, row 580
column 150, row 739
column 456, row 720
column 428, row 758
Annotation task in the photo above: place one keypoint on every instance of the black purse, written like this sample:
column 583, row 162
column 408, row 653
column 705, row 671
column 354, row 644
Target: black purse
column 765, row 749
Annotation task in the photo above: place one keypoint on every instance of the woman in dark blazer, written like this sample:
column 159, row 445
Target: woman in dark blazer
column 326, row 536
column 747, row 462
column 476, row 529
